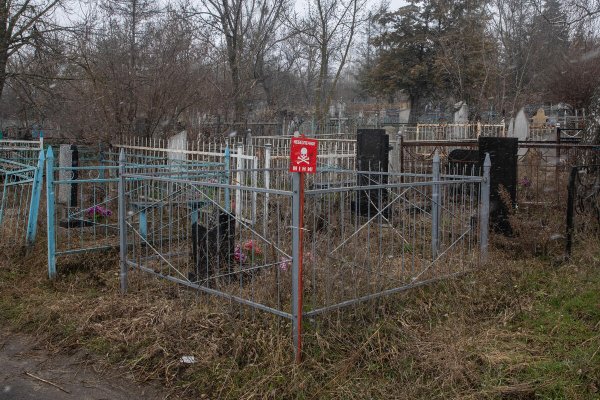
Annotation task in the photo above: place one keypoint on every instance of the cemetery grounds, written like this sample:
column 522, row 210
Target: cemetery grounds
column 526, row 324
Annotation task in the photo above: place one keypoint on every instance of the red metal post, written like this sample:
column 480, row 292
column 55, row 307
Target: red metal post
column 300, row 263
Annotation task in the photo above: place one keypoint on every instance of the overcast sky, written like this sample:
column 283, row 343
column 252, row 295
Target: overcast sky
column 395, row 4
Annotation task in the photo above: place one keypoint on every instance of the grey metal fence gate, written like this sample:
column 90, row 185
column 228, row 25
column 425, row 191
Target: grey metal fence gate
column 352, row 236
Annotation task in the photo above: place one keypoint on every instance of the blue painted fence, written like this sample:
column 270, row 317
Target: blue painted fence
column 82, row 200
column 21, row 174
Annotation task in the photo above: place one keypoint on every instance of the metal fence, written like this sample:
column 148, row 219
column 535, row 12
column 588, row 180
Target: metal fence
column 373, row 234
column 82, row 199
column 255, row 161
column 539, row 162
column 583, row 206
column 351, row 236
column 232, row 222
column 451, row 131
column 21, row 173
column 187, row 232
column 21, row 151
column 80, row 209
column 543, row 170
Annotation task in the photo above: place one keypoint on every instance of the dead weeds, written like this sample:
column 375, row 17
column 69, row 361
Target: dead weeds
column 512, row 329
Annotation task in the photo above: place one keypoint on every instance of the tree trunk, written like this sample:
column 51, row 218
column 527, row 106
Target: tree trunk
column 234, row 44
column 4, row 38
column 3, row 62
column 320, row 111
column 3, row 46
column 239, row 105
column 415, row 105
column 131, row 83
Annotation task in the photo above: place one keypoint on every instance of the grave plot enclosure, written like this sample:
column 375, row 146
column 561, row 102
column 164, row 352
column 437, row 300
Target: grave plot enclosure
column 82, row 201
column 231, row 223
column 414, row 229
column 186, row 230
column 371, row 234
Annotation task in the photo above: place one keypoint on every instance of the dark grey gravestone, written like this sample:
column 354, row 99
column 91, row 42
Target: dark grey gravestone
column 503, row 174
column 372, row 155
column 65, row 160
column 212, row 248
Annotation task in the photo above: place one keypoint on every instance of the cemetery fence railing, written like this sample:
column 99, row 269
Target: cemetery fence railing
column 82, row 200
column 366, row 235
column 583, row 207
column 21, row 175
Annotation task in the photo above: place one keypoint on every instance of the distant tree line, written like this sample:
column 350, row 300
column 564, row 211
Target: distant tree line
column 119, row 67
column 504, row 53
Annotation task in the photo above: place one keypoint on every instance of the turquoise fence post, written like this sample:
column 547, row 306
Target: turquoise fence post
column 227, row 179
column 34, row 206
column 3, row 199
column 50, row 213
column 122, row 223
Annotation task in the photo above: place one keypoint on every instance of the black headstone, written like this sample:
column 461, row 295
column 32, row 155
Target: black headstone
column 372, row 150
column 372, row 155
column 503, row 175
column 212, row 247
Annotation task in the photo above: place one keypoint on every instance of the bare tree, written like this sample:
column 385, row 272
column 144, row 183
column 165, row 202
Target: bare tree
column 20, row 22
column 581, row 11
column 111, row 94
column 330, row 27
column 249, row 29
column 514, row 29
column 131, row 15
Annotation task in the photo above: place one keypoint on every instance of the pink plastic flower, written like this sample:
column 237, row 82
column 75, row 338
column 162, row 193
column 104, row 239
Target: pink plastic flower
column 285, row 264
column 97, row 212
column 251, row 246
column 525, row 182
column 238, row 255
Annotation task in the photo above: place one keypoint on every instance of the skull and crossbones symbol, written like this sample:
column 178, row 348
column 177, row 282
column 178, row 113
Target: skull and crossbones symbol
column 303, row 157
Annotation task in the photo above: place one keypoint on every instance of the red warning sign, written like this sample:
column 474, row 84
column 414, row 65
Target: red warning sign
column 303, row 155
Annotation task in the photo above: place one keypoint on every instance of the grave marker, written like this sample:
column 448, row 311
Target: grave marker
column 461, row 116
column 372, row 154
column 520, row 128
column 68, row 157
column 503, row 174
column 177, row 142
column 539, row 119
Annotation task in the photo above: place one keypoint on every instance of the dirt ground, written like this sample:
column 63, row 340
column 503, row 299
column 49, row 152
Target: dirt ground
column 29, row 371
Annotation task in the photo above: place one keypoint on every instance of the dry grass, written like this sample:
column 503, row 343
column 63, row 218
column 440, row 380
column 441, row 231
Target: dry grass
column 538, row 230
column 513, row 329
